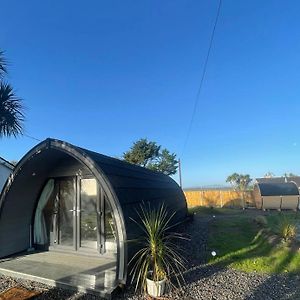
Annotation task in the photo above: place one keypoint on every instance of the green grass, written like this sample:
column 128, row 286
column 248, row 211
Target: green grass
column 208, row 211
column 241, row 244
column 275, row 218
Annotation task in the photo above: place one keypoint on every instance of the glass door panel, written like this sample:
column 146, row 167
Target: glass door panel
column 89, row 227
column 81, row 217
column 110, row 237
column 66, row 212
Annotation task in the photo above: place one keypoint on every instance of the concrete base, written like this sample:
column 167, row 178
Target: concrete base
column 76, row 272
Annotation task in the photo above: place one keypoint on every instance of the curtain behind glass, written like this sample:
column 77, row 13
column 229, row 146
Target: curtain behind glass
column 40, row 231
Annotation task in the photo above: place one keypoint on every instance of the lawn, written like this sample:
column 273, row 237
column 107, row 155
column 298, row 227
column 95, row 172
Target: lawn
column 208, row 211
column 242, row 244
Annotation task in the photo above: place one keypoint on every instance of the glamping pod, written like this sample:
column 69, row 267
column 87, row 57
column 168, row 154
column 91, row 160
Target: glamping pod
column 276, row 195
column 75, row 206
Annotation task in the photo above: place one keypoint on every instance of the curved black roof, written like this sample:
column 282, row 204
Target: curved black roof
column 271, row 180
column 278, row 189
column 282, row 179
column 135, row 186
column 132, row 184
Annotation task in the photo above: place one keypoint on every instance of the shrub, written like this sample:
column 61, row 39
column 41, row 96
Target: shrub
column 158, row 255
column 261, row 221
column 287, row 229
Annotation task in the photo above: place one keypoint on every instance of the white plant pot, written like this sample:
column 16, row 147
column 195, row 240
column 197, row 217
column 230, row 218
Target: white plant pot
column 156, row 288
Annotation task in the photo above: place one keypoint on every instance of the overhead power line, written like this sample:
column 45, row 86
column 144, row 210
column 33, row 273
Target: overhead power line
column 31, row 137
column 202, row 78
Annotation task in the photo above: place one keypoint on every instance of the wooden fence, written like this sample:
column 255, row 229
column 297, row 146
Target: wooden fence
column 219, row 198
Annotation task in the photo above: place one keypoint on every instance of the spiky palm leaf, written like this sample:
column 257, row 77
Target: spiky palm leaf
column 159, row 253
column 11, row 112
column 3, row 70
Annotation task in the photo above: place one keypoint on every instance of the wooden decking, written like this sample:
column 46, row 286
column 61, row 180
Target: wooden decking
column 78, row 272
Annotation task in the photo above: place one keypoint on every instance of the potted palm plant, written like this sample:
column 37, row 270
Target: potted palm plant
column 158, row 258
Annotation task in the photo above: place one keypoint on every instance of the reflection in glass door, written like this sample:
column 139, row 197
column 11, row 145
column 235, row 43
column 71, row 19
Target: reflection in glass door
column 88, row 214
column 110, row 236
column 66, row 211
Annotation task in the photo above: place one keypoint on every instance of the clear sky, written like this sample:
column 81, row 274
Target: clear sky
column 102, row 74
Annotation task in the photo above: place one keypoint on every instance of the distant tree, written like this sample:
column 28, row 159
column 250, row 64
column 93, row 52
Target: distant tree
column 289, row 175
column 239, row 181
column 150, row 155
column 244, row 182
column 142, row 153
column 166, row 163
column 269, row 175
column 11, row 107
column 233, row 179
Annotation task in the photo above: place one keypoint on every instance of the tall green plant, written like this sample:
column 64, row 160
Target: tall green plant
column 159, row 254
column 287, row 228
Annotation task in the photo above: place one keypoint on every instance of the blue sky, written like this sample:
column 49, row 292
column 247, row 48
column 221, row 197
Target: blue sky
column 102, row 74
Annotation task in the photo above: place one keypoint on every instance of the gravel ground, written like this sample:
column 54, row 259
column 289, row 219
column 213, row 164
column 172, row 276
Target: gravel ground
column 202, row 281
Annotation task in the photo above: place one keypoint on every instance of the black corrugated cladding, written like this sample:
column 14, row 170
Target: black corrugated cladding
column 126, row 186
column 135, row 186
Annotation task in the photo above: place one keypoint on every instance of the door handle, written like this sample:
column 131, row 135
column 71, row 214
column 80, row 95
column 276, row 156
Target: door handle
column 76, row 210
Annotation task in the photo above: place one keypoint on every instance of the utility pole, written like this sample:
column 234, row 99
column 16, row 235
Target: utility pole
column 179, row 170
